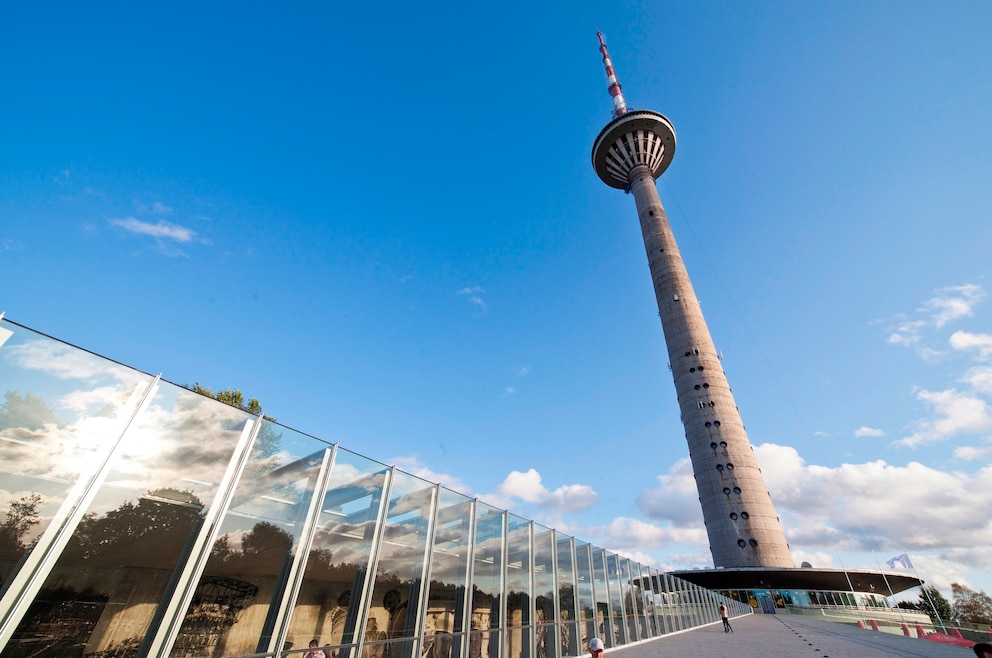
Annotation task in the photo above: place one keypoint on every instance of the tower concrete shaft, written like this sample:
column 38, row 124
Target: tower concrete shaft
column 743, row 529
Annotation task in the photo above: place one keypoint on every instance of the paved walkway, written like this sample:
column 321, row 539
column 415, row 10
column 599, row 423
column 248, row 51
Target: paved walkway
column 785, row 636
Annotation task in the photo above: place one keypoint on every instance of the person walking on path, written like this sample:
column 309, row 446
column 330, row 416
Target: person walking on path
column 726, row 622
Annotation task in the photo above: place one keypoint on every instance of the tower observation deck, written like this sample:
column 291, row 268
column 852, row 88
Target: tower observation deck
column 631, row 151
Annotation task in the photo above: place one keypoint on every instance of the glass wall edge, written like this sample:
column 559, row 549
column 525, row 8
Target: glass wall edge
column 31, row 576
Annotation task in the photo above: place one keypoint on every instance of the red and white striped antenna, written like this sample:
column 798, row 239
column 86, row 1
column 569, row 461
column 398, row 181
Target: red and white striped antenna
column 613, row 85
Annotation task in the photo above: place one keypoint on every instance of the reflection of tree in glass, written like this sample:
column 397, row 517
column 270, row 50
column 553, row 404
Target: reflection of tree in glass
column 27, row 412
column 262, row 551
column 21, row 517
column 149, row 534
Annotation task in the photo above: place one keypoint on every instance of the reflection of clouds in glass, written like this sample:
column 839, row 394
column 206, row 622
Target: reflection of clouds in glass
column 96, row 400
column 184, row 442
column 60, row 453
column 66, row 362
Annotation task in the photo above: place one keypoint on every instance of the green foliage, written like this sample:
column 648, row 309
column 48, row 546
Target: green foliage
column 231, row 396
column 934, row 604
column 268, row 440
column 21, row 517
column 971, row 606
column 25, row 412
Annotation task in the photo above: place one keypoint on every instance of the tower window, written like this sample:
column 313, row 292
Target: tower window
column 726, row 491
column 741, row 543
column 706, row 385
column 717, row 423
column 696, row 387
column 712, row 403
column 733, row 516
column 730, row 467
column 745, row 515
column 719, row 467
column 700, row 368
column 713, row 445
column 754, row 543
column 708, row 423
column 675, row 298
column 692, row 370
column 737, row 490
column 688, row 353
column 723, row 444
column 651, row 212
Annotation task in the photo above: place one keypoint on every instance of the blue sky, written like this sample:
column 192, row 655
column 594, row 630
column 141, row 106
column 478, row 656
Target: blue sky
column 383, row 222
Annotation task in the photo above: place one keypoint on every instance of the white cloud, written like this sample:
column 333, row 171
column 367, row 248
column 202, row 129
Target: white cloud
column 522, row 371
column 906, row 333
column 474, row 295
column 509, row 391
column 947, row 305
column 675, row 499
column 161, row 230
column 982, row 343
column 952, row 303
column 980, row 379
column 528, row 487
column 868, row 431
column 865, row 506
column 951, row 413
column 971, row 453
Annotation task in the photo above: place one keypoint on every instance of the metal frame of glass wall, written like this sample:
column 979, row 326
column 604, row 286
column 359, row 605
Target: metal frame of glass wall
column 142, row 519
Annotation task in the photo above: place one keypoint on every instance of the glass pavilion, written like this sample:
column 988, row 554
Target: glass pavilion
column 138, row 518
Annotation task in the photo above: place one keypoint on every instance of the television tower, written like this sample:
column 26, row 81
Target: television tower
column 630, row 152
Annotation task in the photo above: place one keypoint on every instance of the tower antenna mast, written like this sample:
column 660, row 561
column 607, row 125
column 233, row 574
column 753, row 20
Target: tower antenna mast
column 613, row 85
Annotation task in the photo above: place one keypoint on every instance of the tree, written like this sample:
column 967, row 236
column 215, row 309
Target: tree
column 231, row 396
column 933, row 603
column 971, row 606
column 27, row 412
column 267, row 443
column 21, row 517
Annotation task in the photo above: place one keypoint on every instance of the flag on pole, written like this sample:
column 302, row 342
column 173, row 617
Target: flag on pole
column 900, row 562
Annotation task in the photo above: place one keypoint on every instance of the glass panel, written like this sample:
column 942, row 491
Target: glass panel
column 545, row 639
column 329, row 603
column 102, row 595
column 518, row 588
column 61, row 412
column 617, row 591
column 653, row 602
column 567, row 601
column 672, row 620
column 245, row 574
column 488, row 581
column 518, row 572
column 587, row 604
column 633, row 606
column 604, row 624
column 449, row 577
column 395, row 605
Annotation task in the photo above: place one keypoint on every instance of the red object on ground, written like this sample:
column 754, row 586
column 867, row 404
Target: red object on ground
column 944, row 638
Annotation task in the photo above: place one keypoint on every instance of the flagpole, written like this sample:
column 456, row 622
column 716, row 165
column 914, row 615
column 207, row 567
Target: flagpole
column 854, row 595
column 923, row 590
column 902, row 616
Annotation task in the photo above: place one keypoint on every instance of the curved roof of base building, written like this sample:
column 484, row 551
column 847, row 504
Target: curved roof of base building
column 885, row 583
